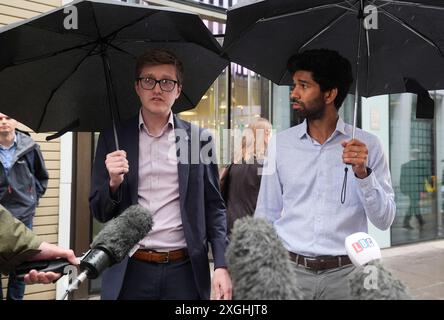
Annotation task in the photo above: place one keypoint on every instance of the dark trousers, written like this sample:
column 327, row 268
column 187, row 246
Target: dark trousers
column 16, row 288
column 159, row 281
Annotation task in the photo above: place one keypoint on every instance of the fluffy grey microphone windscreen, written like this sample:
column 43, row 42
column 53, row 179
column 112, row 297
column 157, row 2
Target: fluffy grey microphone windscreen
column 122, row 233
column 258, row 263
column 374, row 282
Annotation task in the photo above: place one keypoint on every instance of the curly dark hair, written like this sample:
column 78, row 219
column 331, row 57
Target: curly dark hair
column 329, row 69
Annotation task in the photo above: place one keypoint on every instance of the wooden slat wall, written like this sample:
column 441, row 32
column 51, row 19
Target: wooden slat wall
column 16, row 10
column 46, row 219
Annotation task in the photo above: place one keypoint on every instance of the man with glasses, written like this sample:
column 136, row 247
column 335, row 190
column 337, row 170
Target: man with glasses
column 188, row 211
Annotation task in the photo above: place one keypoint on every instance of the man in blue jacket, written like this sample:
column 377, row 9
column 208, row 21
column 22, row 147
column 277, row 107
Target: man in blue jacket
column 23, row 180
column 183, row 195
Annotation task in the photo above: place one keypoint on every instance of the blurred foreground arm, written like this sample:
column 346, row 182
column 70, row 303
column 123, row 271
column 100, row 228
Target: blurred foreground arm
column 19, row 244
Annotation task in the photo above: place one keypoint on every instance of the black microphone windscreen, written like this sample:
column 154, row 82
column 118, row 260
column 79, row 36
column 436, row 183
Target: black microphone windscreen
column 374, row 282
column 259, row 265
column 122, row 233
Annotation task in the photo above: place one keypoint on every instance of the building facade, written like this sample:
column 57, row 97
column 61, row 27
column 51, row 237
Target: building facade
column 236, row 98
column 47, row 219
column 390, row 117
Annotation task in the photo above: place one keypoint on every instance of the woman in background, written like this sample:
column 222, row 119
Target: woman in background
column 240, row 181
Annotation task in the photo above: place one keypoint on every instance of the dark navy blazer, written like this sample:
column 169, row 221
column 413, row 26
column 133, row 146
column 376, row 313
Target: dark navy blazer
column 201, row 205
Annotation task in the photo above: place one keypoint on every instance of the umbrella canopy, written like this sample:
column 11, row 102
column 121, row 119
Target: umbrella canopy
column 53, row 77
column 405, row 39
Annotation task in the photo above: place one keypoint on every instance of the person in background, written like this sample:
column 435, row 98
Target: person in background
column 414, row 175
column 23, row 181
column 240, row 181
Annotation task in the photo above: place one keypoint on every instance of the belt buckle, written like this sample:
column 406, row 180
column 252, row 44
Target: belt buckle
column 167, row 258
column 305, row 262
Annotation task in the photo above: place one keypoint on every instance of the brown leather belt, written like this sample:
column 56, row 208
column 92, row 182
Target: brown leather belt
column 160, row 257
column 321, row 262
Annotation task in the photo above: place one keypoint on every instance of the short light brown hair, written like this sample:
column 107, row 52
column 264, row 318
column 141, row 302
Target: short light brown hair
column 155, row 57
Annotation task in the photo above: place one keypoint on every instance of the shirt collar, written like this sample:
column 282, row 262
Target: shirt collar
column 14, row 144
column 340, row 128
column 303, row 130
column 170, row 122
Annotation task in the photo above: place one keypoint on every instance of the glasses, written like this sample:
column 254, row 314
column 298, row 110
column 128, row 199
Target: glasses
column 165, row 84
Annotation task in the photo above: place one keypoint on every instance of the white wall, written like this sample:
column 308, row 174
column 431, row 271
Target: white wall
column 375, row 119
column 65, row 198
column 65, row 202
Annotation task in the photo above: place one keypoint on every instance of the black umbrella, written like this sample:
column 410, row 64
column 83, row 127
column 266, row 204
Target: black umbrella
column 53, row 78
column 401, row 40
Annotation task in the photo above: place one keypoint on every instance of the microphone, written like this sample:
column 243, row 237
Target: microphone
column 113, row 243
column 362, row 248
column 371, row 280
column 258, row 263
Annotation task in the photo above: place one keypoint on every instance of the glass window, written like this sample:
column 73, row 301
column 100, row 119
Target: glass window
column 246, row 96
column 413, row 162
column 212, row 113
column 439, row 159
column 281, row 111
column 347, row 108
column 250, row 96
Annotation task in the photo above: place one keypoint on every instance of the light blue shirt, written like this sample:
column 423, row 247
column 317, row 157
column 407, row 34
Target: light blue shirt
column 7, row 155
column 300, row 191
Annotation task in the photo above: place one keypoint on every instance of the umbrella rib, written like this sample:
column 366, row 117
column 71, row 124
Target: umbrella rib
column 58, row 86
column 323, row 30
column 95, row 21
column 188, row 98
column 380, row 5
column 115, row 32
column 121, row 50
column 349, row 2
column 412, row 4
column 251, row 26
column 413, row 30
column 47, row 55
column 326, row 6
column 150, row 41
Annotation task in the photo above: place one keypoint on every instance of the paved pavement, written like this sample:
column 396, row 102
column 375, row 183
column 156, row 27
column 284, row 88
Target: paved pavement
column 420, row 266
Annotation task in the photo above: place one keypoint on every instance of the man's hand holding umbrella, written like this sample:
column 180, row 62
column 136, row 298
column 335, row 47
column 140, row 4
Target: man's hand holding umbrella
column 117, row 166
column 355, row 153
